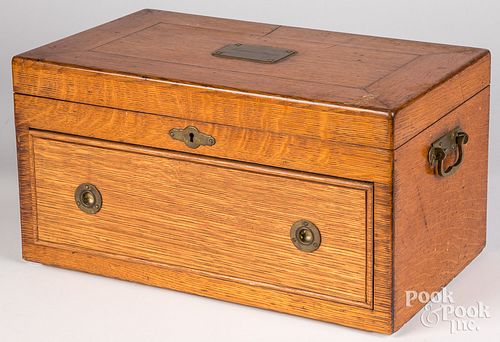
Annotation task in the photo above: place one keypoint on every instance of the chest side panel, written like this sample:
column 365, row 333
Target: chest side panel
column 439, row 222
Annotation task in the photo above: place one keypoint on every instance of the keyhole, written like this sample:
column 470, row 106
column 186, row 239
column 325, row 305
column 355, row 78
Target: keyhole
column 191, row 137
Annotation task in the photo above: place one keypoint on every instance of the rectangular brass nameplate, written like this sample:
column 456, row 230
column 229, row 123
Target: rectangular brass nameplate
column 254, row 53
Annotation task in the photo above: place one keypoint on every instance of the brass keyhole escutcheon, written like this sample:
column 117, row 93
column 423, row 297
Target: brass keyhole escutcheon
column 88, row 198
column 305, row 236
column 192, row 137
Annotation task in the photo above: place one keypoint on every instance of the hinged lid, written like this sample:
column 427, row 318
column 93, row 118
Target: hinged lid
column 356, row 72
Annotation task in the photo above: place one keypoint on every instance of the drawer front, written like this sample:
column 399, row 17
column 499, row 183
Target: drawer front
column 221, row 219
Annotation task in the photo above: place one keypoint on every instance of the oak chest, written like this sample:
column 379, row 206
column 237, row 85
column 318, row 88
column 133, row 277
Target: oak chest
column 315, row 173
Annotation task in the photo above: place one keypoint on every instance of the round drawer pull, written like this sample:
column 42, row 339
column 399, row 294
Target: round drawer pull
column 88, row 198
column 305, row 236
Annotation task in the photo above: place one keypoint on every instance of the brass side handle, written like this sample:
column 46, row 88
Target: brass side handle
column 192, row 137
column 444, row 146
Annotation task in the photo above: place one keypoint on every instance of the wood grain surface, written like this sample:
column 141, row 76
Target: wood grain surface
column 293, row 151
column 36, row 113
column 204, row 103
column 440, row 223
column 438, row 102
column 223, row 219
column 375, row 73
column 176, row 279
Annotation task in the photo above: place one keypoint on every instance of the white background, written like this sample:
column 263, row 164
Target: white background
column 40, row 303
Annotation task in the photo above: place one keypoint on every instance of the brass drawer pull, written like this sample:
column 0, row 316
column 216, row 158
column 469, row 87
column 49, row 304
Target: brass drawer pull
column 192, row 137
column 444, row 146
column 88, row 198
column 305, row 236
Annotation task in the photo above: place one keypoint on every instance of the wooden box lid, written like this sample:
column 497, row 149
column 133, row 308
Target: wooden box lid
column 352, row 71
